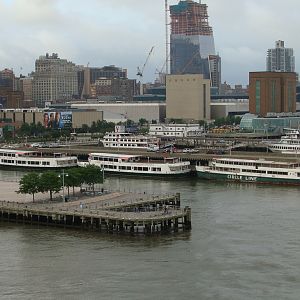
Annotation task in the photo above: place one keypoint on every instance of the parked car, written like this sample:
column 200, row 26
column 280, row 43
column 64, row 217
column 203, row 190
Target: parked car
column 35, row 145
column 153, row 149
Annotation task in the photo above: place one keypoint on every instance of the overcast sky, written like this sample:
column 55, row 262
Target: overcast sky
column 122, row 32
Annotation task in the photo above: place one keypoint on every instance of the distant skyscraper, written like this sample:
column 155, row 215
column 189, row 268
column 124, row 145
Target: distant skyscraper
column 54, row 79
column 280, row 59
column 192, row 49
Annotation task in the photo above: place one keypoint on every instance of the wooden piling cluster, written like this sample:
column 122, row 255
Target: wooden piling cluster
column 148, row 216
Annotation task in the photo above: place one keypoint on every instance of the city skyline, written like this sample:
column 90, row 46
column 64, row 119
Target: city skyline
column 104, row 33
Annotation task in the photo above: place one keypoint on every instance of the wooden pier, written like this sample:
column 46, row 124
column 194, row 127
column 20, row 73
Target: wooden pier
column 113, row 212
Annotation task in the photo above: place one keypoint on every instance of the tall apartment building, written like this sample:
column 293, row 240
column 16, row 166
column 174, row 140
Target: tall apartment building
column 26, row 87
column 88, row 77
column 188, row 97
column 272, row 92
column 192, row 49
column 7, row 79
column 280, row 59
column 54, row 80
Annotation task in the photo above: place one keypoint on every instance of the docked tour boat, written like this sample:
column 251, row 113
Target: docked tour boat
column 35, row 159
column 251, row 171
column 133, row 164
column 288, row 144
column 124, row 140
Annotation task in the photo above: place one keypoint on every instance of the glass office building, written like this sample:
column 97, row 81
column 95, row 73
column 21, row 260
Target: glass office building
column 273, row 123
column 192, row 49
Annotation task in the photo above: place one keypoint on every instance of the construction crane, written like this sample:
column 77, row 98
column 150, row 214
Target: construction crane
column 140, row 71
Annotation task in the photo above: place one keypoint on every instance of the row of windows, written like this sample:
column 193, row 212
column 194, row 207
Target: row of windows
column 33, row 163
column 105, row 159
column 278, row 173
column 170, row 133
column 291, row 147
column 129, row 168
column 170, row 129
column 8, row 161
column 239, row 163
column 124, row 145
column 8, row 154
column 66, row 162
column 128, row 140
column 22, row 162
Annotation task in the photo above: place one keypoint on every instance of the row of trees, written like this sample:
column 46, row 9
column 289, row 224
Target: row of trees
column 229, row 120
column 52, row 182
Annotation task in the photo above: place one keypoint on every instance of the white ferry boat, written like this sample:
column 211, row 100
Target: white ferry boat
column 134, row 164
column 124, row 140
column 251, row 171
column 35, row 159
column 288, row 144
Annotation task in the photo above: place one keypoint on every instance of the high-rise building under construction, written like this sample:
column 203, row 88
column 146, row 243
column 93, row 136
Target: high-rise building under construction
column 192, row 48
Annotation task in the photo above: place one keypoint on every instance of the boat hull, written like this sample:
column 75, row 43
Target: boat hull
column 32, row 168
column 231, row 177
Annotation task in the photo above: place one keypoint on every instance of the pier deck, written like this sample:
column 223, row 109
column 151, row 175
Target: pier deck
column 110, row 212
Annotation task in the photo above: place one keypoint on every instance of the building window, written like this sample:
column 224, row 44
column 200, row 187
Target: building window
column 273, row 95
column 257, row 96
column 290, row 97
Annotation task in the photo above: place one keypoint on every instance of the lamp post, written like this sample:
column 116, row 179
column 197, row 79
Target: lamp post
column 63, row 174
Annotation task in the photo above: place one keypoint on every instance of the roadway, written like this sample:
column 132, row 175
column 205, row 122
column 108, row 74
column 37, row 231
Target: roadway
column 83, row 151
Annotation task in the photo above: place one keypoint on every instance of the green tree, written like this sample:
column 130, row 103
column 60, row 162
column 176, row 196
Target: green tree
column 92, row 174
column 25, row 129
column 74, row 179
column 29, row 184
column 129, row 122
column 202, row 123
column 142, row 121
column 50, row 182
column 85, row 128
column 93, row 127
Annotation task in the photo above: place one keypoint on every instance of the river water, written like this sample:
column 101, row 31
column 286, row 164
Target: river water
column 244, row 244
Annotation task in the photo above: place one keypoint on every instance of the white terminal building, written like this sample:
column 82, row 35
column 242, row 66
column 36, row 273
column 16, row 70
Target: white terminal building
column 175, row 130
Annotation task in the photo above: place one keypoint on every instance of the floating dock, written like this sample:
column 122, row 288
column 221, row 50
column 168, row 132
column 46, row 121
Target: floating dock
column 113, row 212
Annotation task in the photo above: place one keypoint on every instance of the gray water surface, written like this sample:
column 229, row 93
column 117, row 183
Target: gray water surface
column 244, row 244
